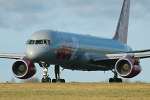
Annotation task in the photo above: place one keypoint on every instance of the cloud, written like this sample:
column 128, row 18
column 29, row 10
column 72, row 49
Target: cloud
column 140, row 9
column 21, row 14
column 107, row 8
column 87, row 8
column 30, row 6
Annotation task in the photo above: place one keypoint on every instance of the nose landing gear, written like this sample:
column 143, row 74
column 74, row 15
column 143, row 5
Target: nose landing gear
column 46, row 78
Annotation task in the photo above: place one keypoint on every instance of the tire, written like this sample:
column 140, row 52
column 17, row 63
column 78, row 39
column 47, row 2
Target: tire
column 54, row 81
column 62, row 80
column 46, row 80
column 115, row 80
column 111, row 80
column 43, row 80
column 49, row 80
column 59, row 80
column 119, row 80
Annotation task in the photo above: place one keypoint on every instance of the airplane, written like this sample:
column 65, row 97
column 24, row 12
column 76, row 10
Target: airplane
column 80, row 52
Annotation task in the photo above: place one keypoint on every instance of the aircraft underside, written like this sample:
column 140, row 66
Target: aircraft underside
column 73, row 65
column 100, row 66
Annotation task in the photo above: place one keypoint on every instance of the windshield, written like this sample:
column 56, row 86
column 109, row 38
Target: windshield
column 47, row 42
column 39, row 42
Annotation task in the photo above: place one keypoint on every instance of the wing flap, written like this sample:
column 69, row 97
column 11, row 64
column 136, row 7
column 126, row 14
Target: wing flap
column 103, row 57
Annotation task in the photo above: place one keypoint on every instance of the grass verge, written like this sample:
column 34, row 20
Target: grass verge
column 74, row 91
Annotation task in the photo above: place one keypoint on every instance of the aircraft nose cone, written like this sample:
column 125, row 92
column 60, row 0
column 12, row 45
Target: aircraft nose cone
column 32, row 54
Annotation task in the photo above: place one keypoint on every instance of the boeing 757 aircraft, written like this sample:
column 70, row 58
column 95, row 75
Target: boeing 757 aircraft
column 80, row 52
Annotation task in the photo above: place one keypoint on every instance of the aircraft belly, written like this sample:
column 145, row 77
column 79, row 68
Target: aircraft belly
column 85, row 66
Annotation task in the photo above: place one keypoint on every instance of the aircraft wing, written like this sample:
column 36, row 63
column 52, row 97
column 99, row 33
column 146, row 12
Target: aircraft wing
column 141, row 54
column 138, row 51
column 11, row 56
column 133, row 54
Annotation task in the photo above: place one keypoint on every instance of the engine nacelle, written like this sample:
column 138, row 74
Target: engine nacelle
column 127, row 68
column 23, row 69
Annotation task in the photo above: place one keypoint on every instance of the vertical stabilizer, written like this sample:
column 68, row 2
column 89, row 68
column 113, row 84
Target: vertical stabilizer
column 122, row 28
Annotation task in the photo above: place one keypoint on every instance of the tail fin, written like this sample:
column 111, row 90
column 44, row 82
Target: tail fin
column 122, row 28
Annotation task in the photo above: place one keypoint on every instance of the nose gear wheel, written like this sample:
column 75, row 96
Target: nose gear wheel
column 46, row 78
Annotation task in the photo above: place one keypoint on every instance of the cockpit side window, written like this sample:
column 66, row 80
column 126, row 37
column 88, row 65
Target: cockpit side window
column 31, row 42
column 48, row 42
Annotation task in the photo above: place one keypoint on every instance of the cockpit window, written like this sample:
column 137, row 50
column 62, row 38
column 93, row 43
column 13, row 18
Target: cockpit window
column 47, row 42
column 31, row 42
column 39, row 42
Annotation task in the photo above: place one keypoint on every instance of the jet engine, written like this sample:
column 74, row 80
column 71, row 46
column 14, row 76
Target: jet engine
column 23, row 69
column 127, row 68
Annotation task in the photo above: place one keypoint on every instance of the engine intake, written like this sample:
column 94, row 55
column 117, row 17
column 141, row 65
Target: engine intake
column 23, row 69
column 127, row 68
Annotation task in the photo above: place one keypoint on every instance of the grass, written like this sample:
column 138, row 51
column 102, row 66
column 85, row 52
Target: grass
column 75, row 91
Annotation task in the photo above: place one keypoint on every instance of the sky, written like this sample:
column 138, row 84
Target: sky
column 19, row 19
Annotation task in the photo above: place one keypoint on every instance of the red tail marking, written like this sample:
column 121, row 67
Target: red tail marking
column 122, row 28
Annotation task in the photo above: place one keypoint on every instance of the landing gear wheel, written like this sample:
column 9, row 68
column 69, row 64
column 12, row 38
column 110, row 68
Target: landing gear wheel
column 119, row 80
column 54, row 81
column 46, row 80
column 111, row 80
column 58, row 81
column 115, row 80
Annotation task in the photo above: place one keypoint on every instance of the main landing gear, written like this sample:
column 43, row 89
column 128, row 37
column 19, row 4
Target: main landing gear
column 57, row 75
column 115, row 78
column 46, row 77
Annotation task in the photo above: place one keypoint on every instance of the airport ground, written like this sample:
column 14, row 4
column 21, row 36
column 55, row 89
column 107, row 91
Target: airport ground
column 74, row 91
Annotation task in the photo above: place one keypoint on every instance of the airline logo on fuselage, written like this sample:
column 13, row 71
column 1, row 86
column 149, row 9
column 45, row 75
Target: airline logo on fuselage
column 66, row 50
